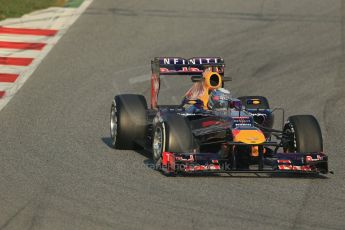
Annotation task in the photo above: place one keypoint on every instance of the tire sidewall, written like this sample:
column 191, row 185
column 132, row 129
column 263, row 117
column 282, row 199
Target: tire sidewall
column 157, row 159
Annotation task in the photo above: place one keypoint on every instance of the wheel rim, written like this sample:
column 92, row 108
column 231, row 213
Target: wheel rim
column 113, row 123
column 292, row 147
column 157, row 143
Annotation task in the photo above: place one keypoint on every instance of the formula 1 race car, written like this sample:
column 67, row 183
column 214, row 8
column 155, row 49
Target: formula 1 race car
column 237, row 138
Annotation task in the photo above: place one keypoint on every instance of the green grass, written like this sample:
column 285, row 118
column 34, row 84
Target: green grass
column 74, row 3
column 17, row 8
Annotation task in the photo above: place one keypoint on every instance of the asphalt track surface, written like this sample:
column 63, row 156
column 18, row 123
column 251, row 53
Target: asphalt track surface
column 57, row 170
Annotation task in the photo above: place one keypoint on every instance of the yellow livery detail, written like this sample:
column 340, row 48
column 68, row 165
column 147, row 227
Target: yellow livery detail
column 252, row 136
column 211, row 81
column 256, row 102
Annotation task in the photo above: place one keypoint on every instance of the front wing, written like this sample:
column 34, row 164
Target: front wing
column 312, row 163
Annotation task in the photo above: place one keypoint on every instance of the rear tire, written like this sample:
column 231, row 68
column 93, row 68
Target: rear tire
column 128, row 120
column 305, row 134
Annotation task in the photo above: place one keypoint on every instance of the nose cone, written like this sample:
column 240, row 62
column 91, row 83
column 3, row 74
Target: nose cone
column 251, row 136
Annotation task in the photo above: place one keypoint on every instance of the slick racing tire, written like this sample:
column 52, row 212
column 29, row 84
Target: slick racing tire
column 262, row 105
column 304, row 134
column 172, row 135
column 128, row 121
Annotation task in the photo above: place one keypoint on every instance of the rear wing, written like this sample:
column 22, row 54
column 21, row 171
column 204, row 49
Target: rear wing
column 181, row 66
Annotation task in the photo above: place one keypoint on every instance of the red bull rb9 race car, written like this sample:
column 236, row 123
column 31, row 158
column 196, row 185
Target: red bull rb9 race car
column 195, row 137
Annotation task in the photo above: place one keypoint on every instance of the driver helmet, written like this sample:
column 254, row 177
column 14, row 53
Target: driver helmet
column 219, row 99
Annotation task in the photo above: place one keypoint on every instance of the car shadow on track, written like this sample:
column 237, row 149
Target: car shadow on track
column 107, row 141
column 148, row 162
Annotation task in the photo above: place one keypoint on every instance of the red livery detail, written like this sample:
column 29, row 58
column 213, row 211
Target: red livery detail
column 168, row 162
column 194, row 168
column 285, row 167
column 295, row 168
column 284, row 161
column 310, row 158
column 210, row 123
column 154, row 90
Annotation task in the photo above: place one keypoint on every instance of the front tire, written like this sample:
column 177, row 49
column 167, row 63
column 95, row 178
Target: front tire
column 173, row 135
column 304, row 134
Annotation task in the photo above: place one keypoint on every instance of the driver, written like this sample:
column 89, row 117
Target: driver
column 218, row 99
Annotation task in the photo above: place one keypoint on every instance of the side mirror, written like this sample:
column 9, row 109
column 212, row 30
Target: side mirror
column 235, row 103
column 196, row 78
